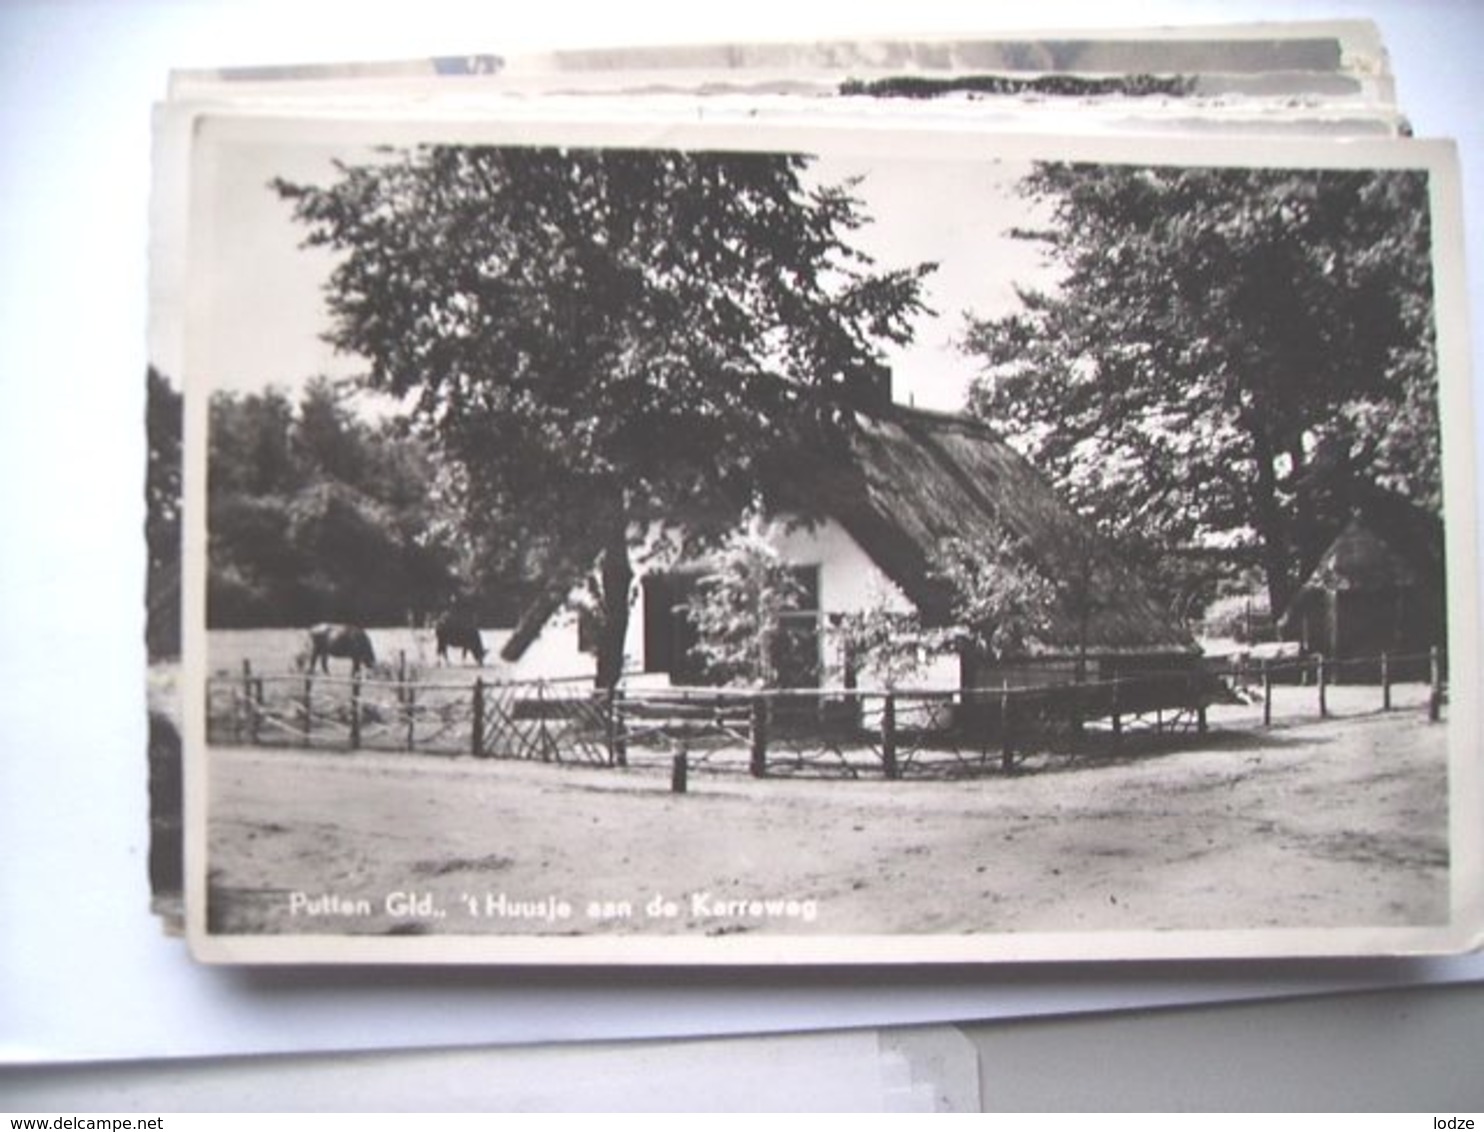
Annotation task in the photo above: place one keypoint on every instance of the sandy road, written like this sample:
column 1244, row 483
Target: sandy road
column 1334, row 824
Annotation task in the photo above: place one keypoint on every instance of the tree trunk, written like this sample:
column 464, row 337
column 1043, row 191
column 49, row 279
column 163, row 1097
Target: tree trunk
column 1308, row 539
column 617, row 576
column 1271, row 529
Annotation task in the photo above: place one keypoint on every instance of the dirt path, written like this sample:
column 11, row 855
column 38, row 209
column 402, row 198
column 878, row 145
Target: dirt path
column 1335, row 824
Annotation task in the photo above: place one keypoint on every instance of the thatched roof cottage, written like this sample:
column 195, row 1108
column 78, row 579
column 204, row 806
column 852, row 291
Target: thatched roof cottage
column 872, row 528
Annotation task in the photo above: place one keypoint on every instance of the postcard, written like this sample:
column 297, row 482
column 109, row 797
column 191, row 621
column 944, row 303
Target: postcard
column 641, row 542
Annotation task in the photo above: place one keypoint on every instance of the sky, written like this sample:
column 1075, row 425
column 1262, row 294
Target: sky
column 265, row 311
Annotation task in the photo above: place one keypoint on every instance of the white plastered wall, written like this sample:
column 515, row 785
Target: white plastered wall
column 849, row 582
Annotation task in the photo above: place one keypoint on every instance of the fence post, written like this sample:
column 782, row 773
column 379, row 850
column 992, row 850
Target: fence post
column 308, row 715
column 1078, row 685
column 618, row 746
column 679, row 772
column 355, row 711
column 476, row 731
column 1199, row 699
column 1267, row 694
column 759, row 764
column 247, row 702
column 1321, row 677
column 409, row 705
column 1007, row 746
column 546, row 744
column 1117, row 718
column 1435, row 685
column 1385, row 682
column 889, row 737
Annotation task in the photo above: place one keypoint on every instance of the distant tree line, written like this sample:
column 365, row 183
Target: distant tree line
column 316, row 514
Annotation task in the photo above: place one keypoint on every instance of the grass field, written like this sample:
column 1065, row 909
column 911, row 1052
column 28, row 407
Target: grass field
column 273, row 652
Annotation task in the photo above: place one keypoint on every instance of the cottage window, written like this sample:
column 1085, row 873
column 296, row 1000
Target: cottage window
column 796, row 653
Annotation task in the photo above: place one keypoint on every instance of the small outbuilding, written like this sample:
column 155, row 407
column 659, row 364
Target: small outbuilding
column 1379, row 588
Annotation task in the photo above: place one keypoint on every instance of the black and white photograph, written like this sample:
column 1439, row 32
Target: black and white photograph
column 610, row 544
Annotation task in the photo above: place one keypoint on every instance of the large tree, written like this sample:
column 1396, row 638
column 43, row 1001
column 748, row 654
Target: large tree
column 601, row 338
column 1221, row 349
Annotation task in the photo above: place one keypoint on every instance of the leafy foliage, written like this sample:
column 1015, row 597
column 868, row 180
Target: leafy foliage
column 887, row 643
column 1001, row 600
column 1001, row 607
column 1223, row 351
column 600, row 338
column 1241, row 615
column 740, row 605
column 316, row 515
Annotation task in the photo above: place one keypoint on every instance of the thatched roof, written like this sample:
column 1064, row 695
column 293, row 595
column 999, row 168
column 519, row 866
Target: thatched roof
column 1389, row 543
column 1361, row 560
column 919, row 479
column 916, row 479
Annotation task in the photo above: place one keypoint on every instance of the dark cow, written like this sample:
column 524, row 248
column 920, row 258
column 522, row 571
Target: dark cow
column 455, row 632
column 348, row 641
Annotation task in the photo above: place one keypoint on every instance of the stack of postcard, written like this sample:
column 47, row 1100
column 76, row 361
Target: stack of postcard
column 814, row 503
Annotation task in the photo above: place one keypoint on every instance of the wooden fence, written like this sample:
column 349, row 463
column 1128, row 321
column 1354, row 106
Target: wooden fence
column 839, row 732
column 1259, row 679
column 551, row 720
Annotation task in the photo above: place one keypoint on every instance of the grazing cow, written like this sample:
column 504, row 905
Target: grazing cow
column 455, row 632
column 348, row 641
